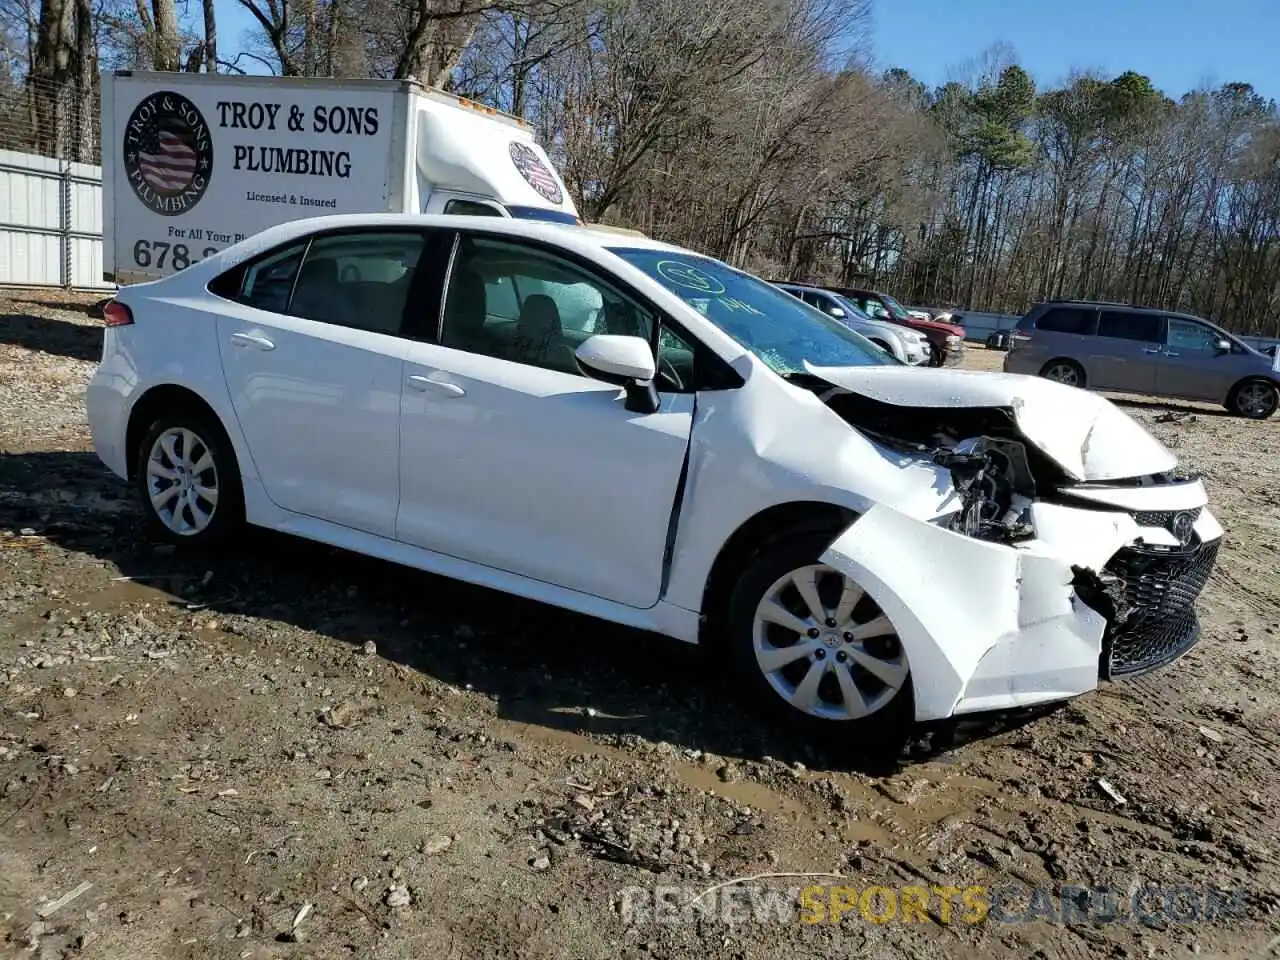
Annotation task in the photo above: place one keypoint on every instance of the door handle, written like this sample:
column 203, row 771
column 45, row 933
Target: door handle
column 1150, row 349
column 251, row 340
column 438, row 386
column 1171, row 353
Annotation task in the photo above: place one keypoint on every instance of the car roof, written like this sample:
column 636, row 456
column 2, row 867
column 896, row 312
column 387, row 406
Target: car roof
column 1131, row 307
column 588, row 242
column 568, row 235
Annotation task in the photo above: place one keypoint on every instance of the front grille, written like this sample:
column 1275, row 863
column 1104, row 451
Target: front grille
column 1160, row 591
column 1161, row 518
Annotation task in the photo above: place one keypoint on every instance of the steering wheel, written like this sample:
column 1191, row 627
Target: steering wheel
column 667, row 369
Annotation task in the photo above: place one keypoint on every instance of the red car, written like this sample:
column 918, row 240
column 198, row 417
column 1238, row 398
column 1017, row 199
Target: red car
column 946, row 340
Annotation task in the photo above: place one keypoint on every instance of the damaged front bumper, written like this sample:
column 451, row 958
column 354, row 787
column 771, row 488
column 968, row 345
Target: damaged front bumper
column 987, row 626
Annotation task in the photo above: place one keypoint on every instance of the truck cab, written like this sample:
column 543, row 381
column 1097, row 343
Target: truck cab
column 474, row 160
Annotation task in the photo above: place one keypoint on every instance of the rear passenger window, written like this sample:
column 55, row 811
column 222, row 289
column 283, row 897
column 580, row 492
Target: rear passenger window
column 1124, row 325
column 1067, row 320
column 357, row 280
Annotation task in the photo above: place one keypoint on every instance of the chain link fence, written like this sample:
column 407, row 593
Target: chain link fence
column 51, row 119
column 50, row 184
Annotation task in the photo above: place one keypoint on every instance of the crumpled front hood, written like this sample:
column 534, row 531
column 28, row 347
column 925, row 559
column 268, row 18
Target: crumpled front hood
column 1084, row 433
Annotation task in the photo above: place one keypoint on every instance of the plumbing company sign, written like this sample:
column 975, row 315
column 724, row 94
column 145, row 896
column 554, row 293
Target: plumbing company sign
column 195, row 167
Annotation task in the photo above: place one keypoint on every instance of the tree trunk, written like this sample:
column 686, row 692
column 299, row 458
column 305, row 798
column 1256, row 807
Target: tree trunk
column 52, row 76
column 210, row 38
column 166, row 44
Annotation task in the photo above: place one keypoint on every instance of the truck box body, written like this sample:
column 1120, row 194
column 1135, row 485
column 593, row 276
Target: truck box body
column 192, row 163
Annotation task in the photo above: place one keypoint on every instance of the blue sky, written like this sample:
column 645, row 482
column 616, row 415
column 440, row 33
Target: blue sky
column 1180, row 44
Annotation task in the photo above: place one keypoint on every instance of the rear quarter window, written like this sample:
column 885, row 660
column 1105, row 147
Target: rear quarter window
column 1068, row 320
column 265, row 283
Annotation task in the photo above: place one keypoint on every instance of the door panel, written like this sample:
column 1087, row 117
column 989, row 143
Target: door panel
column 1190, row 366
column 539, row 472
column 319, row 413
column 315, row 379
column 511, row 457
column 1126, row 352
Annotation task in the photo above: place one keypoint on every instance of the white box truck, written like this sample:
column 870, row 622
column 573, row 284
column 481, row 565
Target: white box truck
column 192, row 163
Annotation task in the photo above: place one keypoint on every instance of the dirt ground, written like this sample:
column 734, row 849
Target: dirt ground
column 304, row 753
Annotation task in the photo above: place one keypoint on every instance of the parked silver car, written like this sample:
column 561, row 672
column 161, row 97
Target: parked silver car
column 903, row 343
column 1111, row 346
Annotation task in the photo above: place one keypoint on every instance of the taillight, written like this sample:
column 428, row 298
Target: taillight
column 116, row 314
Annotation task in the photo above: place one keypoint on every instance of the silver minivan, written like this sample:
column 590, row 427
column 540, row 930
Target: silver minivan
column 1104, row 346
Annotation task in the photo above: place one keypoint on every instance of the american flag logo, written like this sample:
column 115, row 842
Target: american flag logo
column 536, row 172
column 168, row 153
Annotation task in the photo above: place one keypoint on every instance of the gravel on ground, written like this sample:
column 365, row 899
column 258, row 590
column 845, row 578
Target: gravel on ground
column 298, row 752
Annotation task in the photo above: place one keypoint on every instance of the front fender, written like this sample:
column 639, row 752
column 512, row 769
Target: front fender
column 984, row 626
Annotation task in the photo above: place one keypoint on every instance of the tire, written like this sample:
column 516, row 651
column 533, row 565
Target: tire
column 881, row 723
column 936, row 357
column 1256, row 398
column 1064, row 371
column 188, row 450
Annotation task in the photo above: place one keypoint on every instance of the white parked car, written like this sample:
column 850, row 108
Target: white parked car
column 906, row 345
column 633, row 431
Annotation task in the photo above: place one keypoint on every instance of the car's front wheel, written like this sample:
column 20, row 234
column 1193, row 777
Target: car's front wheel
column 1255, row 399
column 188, row 479
column 817, row 652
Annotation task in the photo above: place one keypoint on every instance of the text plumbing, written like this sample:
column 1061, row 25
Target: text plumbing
column 328, row 120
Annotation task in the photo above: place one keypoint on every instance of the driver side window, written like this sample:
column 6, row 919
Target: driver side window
column 1186, row 335
column 526, row 305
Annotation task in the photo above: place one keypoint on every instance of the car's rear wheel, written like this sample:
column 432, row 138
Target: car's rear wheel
column 1256, row 399
column 1063, row 371
column 815, row 651
column 188, row 479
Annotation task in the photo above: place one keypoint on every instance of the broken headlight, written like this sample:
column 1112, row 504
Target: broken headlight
column 995, row 486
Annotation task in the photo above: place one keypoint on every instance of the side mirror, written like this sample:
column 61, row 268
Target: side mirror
column 624, row 361
column 837, row 312
column 1222, row 346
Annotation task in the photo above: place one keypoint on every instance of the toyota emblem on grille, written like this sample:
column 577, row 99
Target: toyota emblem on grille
column 1181, row 526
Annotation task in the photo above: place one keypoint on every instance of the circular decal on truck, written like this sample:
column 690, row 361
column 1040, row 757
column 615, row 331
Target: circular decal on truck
column 535, row 171
column 168, row 153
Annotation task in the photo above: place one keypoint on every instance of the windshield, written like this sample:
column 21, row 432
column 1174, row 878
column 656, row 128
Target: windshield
column 541, row 213
column 851, row 309
column 897, row 309
column 780, row 329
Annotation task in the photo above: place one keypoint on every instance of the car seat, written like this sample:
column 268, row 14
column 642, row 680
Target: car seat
column 318, row 294
column 539, row 335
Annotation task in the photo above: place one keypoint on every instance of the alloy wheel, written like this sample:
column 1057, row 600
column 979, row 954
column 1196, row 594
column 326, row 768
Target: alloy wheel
column 1255, row 399
column 182, row 481
column 1064, row 373
column 826, row 647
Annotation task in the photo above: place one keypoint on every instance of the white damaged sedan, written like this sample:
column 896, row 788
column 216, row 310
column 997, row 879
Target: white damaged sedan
column 646, row 435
